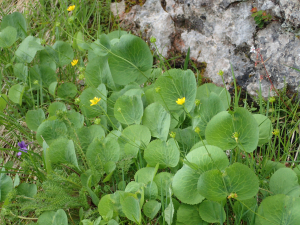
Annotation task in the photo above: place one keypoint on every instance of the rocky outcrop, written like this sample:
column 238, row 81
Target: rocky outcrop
column 221, row 32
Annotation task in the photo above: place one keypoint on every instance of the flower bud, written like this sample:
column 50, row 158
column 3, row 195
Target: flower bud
column 81, row 69
column 172, row 134
column 97, row 121
column 81, row 76
column 77, row 101
column 197, row 130
column 197, row 102
column 36, row 82
column 221, row 73
column 152, row 39
column 157, row 89
column 272, row 99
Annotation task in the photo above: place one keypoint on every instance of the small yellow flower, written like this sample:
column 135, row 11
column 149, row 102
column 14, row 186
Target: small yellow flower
column 71, row 8
column 276, row 132
column 180, row 101
column 74, row 62
column 94, row 101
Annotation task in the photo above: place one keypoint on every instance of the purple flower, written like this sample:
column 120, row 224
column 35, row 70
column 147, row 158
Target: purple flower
column 23, row 148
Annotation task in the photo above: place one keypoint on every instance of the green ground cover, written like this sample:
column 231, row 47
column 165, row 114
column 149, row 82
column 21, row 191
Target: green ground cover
column 93, row 132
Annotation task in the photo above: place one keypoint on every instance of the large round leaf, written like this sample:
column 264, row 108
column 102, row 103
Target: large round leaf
column 188, row 215
column 210, row 107
column 151, row 208
column 163, row 181
column 129, row 59
column 158, row 120
column 100, row 152
column 28, row 190
column 97, row 72
column 237, row 180
column 6, row 185
column 15, row 93
column 279, row 210
column 129, row 109
column 8, row 36
column 145, row 175
column 21, row 71
column 28, row 48
column 16, row 20
column 174, row 84
column 212, row 212
column 62, row 150
column 51, row 130
column 86, row 135
column 197, row 162
column 205, row 90
column 131, row 208
column 285, row 181
column 186, row 138
column 34, row 118
column 265, row 128
column 67, row 90
column 165, row 153
column 63, row 53
column 44, row 74
column 228, row 130
column 56, row 106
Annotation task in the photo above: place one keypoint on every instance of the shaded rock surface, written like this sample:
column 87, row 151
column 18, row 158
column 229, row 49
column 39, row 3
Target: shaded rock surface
column 221, row 32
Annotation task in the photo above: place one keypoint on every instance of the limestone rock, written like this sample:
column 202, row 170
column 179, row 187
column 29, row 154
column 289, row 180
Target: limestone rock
column 221, row 32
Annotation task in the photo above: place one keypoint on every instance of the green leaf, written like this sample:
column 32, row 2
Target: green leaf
column 78, row 40
column 174, row 84
column 151, row 208
column 158, row 120
column 169, row 213
column 28, row 190
column 87, row 135
column 245, row 210
column 28, row 49
column 3, row 102
column 46, row 218
column 151, row 191
column 6, row 185
column 62, row 53
column 265, row 128
column 43, row 74
column 89, row 94
column 60, row 218
column 21, row 71
column 145, row 175
column 47, row 57
column 67, row 90
column 165, row 153
column 15, row 93
column 112, row 222
column 106, row 207
column 16, row 20
column 129, row 59
column 52, row 88
column 131, row 208
column 116, row 34
column 188, row 215
column 98, row 72
column 54, row 107
column 237, row 179
column 163, row 181
column 221, row 129
column 50, row 130
column 8, row 36
column 285, row 181
column 279, row 210
column 101, row 152
column 186, row 138
column 129, row 109
column 212, row 212
column 210, row 107
column 205, row 90
column 61, row 151
column 74, row 121
column 34, row 118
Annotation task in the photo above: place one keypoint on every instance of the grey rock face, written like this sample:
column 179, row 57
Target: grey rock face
column 221, row 32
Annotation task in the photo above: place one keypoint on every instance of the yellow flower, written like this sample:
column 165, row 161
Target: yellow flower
column 276, row 132
column 71, row 8
column 180, row 101
column 94, row 101
column 74, row 62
